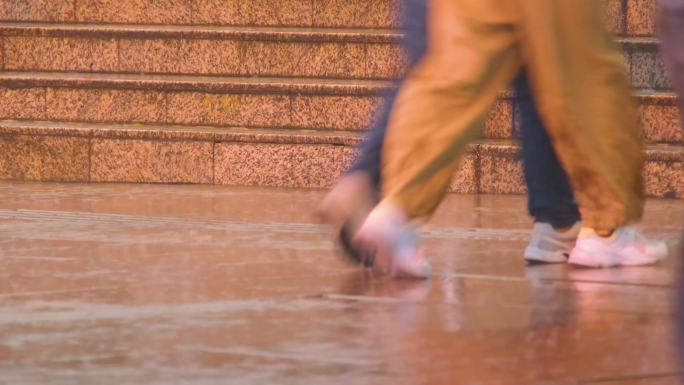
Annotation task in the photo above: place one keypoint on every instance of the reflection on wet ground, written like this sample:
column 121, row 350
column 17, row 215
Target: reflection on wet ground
column 123, row 284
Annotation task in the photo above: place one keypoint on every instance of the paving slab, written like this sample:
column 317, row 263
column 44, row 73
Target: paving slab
column 157, row 284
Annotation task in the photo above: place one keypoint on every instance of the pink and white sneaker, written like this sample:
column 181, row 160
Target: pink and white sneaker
column 393, row 244
column 625, row 247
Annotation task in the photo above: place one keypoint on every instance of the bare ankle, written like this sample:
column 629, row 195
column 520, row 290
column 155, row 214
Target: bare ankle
column 604, row 233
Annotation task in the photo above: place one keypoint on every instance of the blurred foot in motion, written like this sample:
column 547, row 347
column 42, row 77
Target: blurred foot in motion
column 392, row 244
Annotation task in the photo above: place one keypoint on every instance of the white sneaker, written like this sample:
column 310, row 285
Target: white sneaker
column 625, row 247
column 393, row 243
column 550, row 246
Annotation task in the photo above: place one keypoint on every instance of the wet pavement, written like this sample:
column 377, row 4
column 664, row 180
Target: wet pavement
column 144, row 284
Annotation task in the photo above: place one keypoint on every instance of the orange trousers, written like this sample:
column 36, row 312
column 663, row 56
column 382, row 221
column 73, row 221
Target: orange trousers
column 576, row 72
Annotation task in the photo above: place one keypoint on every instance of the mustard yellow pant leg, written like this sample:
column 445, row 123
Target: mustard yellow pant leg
column 473, row 54
column 584, row 97
column 476, row 48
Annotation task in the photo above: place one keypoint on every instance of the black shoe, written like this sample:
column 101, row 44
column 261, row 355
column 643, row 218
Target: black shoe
column 351, row 253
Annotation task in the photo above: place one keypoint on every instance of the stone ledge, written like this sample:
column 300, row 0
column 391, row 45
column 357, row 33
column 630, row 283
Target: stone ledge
column 247, row 157
column 216, row 84
column 281, row 34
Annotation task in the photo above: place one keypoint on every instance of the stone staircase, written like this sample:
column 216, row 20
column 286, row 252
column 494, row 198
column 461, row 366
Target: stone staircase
column 250, row 92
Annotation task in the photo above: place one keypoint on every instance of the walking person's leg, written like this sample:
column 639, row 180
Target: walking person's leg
column 585, row 100
column 550, row 198
column 472, row 55
column 356, row 192
column 551, row 201
column 584, row 97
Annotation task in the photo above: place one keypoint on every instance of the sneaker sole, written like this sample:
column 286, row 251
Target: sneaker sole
column 576, row 258
column 536, row 255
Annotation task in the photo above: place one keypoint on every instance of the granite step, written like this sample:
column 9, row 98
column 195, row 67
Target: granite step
column 232, row 51
column 624, row 17
column 294, row 103
column 645, row 64
column 91, row 152
column 242, row 51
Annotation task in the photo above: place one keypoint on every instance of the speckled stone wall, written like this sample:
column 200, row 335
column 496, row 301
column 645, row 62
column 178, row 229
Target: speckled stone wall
column 260, row 92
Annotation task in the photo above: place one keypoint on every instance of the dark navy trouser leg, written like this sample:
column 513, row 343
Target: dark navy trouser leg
column 415, row 42
column 550, row 198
